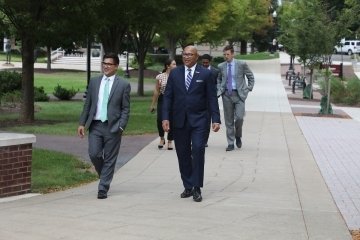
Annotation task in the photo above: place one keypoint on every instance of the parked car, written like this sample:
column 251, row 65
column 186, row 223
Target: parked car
column 348, row 46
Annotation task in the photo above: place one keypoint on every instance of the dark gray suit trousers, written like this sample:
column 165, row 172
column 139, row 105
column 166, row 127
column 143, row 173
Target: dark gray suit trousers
column 104, row 148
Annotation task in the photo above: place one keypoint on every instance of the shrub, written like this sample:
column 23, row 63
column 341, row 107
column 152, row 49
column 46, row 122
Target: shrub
column 40, row 95
column 217, row 60
column 352, row 92
column 63, row 93
column 158, row 58
column 11, row 99
column 337, row 89
column 9, row 81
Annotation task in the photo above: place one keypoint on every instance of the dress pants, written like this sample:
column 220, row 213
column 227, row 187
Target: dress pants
column 104, row 149
column 170, row 136
column 234, row 113
column 190, row 150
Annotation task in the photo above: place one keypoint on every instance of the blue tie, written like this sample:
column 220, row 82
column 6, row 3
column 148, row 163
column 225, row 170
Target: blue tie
column 229, row 80
column 188, row 79
column 103, row 113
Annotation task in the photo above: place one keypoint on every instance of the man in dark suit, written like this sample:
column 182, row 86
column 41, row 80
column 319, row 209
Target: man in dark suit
column 189, row 96
column 206, row 63
column 105, row 114
column 234, row 90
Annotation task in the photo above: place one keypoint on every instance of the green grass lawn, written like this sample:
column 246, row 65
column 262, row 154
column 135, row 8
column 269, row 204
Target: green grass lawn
column 71, row 79
column 258, row 56
column 54, row 171
column 68, row 80
column 61, row 118
column 14, row 57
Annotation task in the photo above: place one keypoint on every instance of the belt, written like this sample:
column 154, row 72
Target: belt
column 99, row 121
column 232, row 90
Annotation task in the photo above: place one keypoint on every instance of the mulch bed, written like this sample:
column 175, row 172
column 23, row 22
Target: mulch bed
column 323, row 115
column 355, row 234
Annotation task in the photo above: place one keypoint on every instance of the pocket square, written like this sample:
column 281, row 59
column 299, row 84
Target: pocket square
column 199, row 80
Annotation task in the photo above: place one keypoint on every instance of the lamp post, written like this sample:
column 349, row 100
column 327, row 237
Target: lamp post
column 127, row 73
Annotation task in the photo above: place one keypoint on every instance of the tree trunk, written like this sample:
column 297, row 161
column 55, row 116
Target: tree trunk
column 27, row 105
column 141, row 60
column 311, row 82
column 243, row 47
column 111, row 39
column 171, row 45
column 328, row 82
column 48, row 62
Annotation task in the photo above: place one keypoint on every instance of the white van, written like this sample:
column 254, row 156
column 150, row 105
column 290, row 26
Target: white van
column 348, row 46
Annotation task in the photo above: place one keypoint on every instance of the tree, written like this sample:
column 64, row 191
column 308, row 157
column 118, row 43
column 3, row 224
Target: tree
column 244, row 18
column 308, row 31
column 30, row 19
column 350, row 18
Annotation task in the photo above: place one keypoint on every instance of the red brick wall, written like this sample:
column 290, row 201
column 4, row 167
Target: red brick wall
column 15, row 169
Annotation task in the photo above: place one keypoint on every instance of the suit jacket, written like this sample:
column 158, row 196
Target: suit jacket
column 241, row 70
column 214, row 74
column 192, row 105
column 118, row 108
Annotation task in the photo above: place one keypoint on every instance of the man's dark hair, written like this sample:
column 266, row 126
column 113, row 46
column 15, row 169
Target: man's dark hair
column 229, row 47
column 114, row 56
column 206, row 56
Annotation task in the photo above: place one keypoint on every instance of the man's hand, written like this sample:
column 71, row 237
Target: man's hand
column 81, row 131
column 215, row 127
column 166, row 125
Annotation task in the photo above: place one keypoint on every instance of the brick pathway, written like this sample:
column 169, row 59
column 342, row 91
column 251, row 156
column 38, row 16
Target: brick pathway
column 335, row 144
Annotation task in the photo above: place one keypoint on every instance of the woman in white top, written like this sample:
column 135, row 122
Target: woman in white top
column 159, row 90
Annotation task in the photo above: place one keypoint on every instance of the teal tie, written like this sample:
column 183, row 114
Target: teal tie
column 103, row 114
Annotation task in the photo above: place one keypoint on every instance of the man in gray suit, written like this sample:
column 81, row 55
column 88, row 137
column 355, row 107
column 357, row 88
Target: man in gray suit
column 105, row 114
column 233, row 88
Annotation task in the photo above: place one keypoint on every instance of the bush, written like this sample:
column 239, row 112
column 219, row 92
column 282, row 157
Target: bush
column 352, row 92
column 158, row 58
column 217, row 60
column 40, row 95
column 337, row 90
column 63, row 93
column 9, row 81
column 11, row 99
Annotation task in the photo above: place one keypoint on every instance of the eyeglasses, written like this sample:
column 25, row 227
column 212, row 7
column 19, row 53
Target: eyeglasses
column 108, row 64
column 188, row 54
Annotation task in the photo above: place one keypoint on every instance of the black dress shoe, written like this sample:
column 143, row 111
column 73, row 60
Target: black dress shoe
column 186, row 193
column 102, row 194
column 238, row 142
column 197, row 194
column 230, row 147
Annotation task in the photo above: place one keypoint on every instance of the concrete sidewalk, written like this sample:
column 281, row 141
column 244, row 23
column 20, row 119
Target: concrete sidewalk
column 269, row 189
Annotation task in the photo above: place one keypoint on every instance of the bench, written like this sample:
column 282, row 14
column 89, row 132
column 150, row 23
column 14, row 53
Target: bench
column 298, row 81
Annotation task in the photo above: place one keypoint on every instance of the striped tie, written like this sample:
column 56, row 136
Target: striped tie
column 188, row 79
column 103, row 113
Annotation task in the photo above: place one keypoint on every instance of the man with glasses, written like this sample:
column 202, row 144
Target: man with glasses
column 189, row 96
column 234, row 89
column 105, row 114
